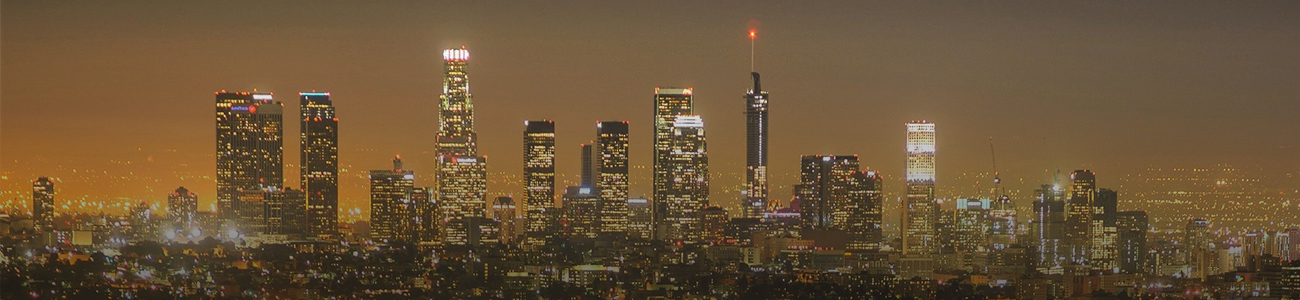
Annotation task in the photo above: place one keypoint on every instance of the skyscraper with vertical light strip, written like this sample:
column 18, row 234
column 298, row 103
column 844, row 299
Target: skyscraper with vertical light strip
column 539, row 177
column 755, row 203
column 461, row 173
column 320, row 162
column 686, row 190
column 668, row 104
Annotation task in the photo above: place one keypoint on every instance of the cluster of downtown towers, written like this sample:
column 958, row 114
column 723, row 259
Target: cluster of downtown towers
column 834, row 193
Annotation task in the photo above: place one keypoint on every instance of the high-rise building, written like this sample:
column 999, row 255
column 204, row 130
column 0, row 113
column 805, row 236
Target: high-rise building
column 686, row 167
column 823, row 190
column 920, row 211
column 428, row 217
column 640, row 218
column 612, row 146
column 1132, row 229
column 504, row 213
column 461, row 173
column 755, row 204
column 183, row 208
column 539, row 176
column 1048, row 229
column 320, row 162
column 270, row 211
column 668, row 104
column 713, row 225
column 250, row 146
column 581, row 211
column 1079, row 216
column 1103, row 234
column 43, row 204
column 864, row 221
column 1200, row 248
column 590, row 164
column 969, row 225
column 392, row 209
column 1002, row 223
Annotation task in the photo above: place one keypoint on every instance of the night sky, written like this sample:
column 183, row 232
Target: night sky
column 126, row 87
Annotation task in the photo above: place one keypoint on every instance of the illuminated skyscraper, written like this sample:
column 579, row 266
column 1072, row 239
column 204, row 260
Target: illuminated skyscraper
column 183, row 207
column 320, row 162
column 823, row 190
column 539, row 176
column 970, row 221
column 393, row 212
column 461, row 174
column 43, row 204
column 504, row 212
column 920, row 211
column 612, row 146
column 1103, row 234
column 755, row 152
column 1079, row 216
column 686, row 167
column 250, row 146
column 669, row 103
column 1002, row 223
column 640, row 218
column 864, row 219
column 1049, row 228
column 1200, row 247
column 270, row 211
column 581, row 211
column 1132, row 227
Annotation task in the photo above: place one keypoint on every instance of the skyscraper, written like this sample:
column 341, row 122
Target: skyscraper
column 183, row 207
column 590, row 164
column 865, row 203
column 250, row 146
column 920, row 211
column 1200, row 245
column 1049, row 227
column 668, row 104
column 461, row 173
column 1103, row 234
column 43, row 204
column 640, row 218
column 755, row 152
column 686, row 170
column 392, row 209
column 504, row 212
column 1079, row 216
column 539, row 176
column 823, row 190
column 1132, row 227
column 1002, row 223
column 581, row 211
column 320, row 162
column 612, row 146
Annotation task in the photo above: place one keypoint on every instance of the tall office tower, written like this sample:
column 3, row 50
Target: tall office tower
column 823, row 190
column 462, row 188
column 713, row 225
column 250, row 146
column 1079, row 216
column 1002, row 223
column 1132, row 229
column 1048, row 229
column 581, row 211
column 391, row 207
column 504, row 212
column 320, row 162
column 462, row 173
column 864, row 203
column 612, row 146
column 428, row 216
column 590, row 164
column 1200, row 247
column 687, row 169
column 969, row 231
column 183, row 208
column 43, row 204
column 669, row 103
column 539, row 176
column 286, row 212
column 269, row 211
column 1103, row 234
column 920, row 211
column 755, row 152
column 640, row 218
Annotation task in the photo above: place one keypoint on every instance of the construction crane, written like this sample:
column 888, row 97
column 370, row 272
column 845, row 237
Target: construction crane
column 997, row 177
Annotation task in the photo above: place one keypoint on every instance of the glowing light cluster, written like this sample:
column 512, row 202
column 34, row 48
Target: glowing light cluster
column 455, row 54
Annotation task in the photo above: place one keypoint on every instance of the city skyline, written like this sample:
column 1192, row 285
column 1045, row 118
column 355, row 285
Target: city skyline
column 1032, row 154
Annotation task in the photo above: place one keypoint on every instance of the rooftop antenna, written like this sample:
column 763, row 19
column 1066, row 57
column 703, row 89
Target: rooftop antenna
column 753, row 34
column 997, row 177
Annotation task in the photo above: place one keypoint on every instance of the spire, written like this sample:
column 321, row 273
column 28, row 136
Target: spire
column 757, row 86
